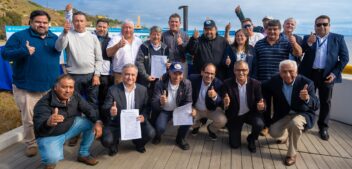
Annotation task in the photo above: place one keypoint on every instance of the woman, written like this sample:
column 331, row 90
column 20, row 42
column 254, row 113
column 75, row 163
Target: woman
column 240, row 50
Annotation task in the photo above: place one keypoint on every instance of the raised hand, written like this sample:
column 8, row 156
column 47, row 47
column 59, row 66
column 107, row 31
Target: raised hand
column 292, row 39
column 113, row 110
column 195, row 33
column 261, row 105
column 212, row 93
column 238, row 8
column 122, row 42
column 55, row 118
column 312, row 38
column 68, row 7
column 30, row 48
column 228, row 27
column 67, row 26
column 163, row 98
column 303, row 94
column 226, row 101
column 228, row 60
column 179, row 39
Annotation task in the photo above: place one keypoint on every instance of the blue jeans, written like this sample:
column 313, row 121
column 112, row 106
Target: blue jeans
column 51, row 148
column 161, row 124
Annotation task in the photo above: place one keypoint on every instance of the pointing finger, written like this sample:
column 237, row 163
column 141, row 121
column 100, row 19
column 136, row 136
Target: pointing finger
column 56, row 111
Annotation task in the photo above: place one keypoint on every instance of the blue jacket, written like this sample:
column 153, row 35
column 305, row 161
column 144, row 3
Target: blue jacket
column 37, row 72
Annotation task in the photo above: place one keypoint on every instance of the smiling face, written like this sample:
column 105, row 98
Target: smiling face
column 155, row 37
column 40, row 24
column 289, row 26
column 64, row 89
column 174, row 24
column 210, row 33
column 288, row 73
column 129, row 76
column 208, row 74
column 241, row 71
column 322, row 27
column 102, row 28
column 240, row 38
column 273, row 33
column 128, row 30
column 248, row 27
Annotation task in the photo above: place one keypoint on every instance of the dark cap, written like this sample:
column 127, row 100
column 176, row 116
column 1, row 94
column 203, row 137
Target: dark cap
column 176, row 67
column 209, row 24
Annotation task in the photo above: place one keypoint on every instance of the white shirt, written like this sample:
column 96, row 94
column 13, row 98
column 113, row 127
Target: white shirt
column 124, row 55
column 170, row 105
column 321, row 52
column 241, row 56
column 242, row 93
column 200, row 104
column 255, row 38
column 130, row 101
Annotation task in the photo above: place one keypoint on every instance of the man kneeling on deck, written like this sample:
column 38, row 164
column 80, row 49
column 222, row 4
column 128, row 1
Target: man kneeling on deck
column 57, row 118
column 294, row 105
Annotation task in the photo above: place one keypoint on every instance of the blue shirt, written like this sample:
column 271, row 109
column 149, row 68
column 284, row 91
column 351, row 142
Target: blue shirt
column 287, row 90
column 36, row 72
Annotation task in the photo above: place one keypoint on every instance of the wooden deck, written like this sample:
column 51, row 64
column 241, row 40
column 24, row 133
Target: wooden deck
column 314, row 153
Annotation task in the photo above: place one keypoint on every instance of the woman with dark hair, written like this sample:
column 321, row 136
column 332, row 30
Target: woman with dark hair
column 240, row 50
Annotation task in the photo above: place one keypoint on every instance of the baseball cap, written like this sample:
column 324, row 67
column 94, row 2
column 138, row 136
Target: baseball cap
column 209, row 24
column 176, row 67
column 267, row 18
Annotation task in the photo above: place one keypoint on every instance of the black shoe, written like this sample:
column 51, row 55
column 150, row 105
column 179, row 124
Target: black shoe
column 182, row 144
column 73, row 141
column 212, row 135
column 112, row 151
column 203, row 121
column 324, row 134
column 195, row 131
column 141, row 149
column 251, row 145
column 156, row 140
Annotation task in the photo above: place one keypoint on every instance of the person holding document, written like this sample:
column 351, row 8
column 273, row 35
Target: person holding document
column 127, row 95
column 171, row 92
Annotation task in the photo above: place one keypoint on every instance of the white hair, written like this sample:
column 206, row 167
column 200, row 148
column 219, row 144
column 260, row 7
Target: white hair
column 288, row 62
column 128, row 22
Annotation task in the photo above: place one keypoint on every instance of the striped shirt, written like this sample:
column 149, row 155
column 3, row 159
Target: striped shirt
column 268, row 57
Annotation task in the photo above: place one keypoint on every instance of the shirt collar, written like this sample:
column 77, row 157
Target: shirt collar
column 126, row 90
column 289, row 85
column 239, row 85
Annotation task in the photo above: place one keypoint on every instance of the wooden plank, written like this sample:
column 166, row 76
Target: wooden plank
column 313, row 138
column 246, row 155
column 206, row 154
column 331, row 162
column 308, row 160
column 225, row 152
column 197, row 151
column 257, row 161
column 308, row 144
column 320, row 162
column 182, row 163
column 300, row 164
column 236, row 158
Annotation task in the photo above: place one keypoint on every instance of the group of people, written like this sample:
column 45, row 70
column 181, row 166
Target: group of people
column 265, row 77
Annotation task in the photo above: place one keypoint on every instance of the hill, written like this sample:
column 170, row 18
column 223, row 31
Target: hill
column 16, row 12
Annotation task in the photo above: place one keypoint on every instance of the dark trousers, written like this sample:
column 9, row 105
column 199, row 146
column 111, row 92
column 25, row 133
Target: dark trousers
column 325, row 95
column 111, row 135
column 267, row 113
column 235, row 124
column 161, row 124
column 83, row 85
column 105, row 82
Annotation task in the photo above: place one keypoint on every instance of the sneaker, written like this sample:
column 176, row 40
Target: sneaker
column 73, row 141
column 182, row 143
column 50, row 166
column 195, row 131
column 212, row 135
column 156, row 140
column 89, row 160
column 31, row 151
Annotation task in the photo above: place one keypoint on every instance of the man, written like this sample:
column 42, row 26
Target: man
column 126, row 95
column 207, row 100
column 243, row 103
column 325, row 57
column 254, row 37
column 84, row 58
column 176, row 40
column 171, row 92
column 265, row 22
column 35, row 68
column 124, row 49
column 269, row 52
column 57, row 118
column 209, row 48
column 295, row 104
column 289, row 27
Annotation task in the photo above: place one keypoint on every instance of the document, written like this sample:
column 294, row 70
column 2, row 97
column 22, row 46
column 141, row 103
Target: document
column 158, row 66
column 182, row 115
column 130, row 126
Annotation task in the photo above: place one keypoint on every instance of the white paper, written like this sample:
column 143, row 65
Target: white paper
column 158, row 66
column 130, row 126
column 182, row 115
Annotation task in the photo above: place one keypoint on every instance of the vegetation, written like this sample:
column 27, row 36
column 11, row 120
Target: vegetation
column 11, row 18
column 9, row 113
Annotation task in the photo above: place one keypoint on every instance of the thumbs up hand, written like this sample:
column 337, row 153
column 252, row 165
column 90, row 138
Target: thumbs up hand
column 311, row 39
column 67, row 26
column 228, row 61
column 113, row 110
column 196, row 33
column 163, row 98
column 261, row 105
column 228, row 27
column 31, row 49
column 122, row 42
column 303, row 94
column 179, row 39
column 292, row 39
column 226, row 101
column 55, row 118
column 212, row 93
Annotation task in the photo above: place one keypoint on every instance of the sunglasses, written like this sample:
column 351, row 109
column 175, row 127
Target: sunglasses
column 322, row 24
column 247, row 26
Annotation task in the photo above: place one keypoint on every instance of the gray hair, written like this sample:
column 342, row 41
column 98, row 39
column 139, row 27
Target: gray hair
column 288, row 62
column 290, row 19
column 155, row 29
column 127, row 22
column 129, row 65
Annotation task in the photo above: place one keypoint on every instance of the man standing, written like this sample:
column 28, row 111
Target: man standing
column 207, row 100
column 254, row 37
column 325, row 57
column 35, row 68
column 57, row 118
column 289, row 27
column 171, row 92
column 243, row 103
column 295, row 104
column 126, row 95
column 124, row 49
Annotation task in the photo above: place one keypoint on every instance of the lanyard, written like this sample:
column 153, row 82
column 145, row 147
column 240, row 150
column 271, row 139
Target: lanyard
column 321, row 44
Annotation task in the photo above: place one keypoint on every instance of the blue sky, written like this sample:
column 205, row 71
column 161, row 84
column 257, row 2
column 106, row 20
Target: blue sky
column 156, row 12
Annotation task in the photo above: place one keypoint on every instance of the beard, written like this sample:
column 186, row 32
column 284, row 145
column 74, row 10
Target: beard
column 41, row 33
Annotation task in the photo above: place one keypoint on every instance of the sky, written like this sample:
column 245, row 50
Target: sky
column 156, row 12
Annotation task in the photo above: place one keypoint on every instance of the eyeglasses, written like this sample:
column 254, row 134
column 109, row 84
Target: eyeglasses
column 241, row 70
column 247, row 26
column 322, row 24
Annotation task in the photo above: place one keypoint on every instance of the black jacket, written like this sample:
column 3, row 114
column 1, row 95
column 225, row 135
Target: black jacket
column 44, row 108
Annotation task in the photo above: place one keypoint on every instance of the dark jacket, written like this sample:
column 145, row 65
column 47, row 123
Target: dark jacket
column 143, row 60
column 253, row 92
column 183, row 95
column 281, row 106
column 196, row 80
column 44, row 108
column 232, row 53
column 177, row 52
column 117, row 93
column 104, row 41
column 208, row 51
column 337, row 57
